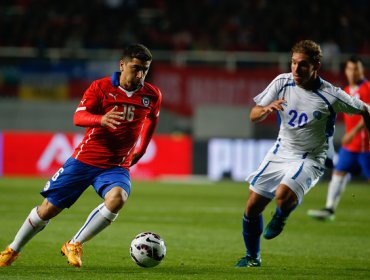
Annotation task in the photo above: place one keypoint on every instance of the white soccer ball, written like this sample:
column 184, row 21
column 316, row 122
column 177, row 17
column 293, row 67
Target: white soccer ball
column 147, row 249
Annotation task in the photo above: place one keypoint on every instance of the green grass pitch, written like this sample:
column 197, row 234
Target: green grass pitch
column 201, row 226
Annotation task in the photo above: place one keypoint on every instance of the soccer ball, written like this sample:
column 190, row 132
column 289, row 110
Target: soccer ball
column 147, row 249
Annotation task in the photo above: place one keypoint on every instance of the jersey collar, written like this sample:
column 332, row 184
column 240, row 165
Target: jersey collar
column 115, row 83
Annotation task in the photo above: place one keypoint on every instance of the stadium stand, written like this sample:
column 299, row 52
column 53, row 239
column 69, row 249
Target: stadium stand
column 253, row 25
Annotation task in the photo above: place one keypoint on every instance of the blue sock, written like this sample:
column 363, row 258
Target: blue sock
column 284, row 214
column 252, row 229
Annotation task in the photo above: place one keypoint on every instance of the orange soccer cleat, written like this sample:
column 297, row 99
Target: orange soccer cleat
column 73, row 252
column 8, row 256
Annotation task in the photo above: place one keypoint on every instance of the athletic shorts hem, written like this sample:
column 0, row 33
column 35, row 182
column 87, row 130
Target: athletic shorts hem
column 294, row 187
column 121, row 185
column 261, row 192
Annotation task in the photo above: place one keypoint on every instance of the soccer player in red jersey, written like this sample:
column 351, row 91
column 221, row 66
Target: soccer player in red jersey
column 117, row 111
column 354, row 154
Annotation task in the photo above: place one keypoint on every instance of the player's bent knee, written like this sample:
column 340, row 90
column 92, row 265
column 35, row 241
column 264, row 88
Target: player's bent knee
column 47, row 211
column 255, row 205
column 286, row 198
column 115, row 199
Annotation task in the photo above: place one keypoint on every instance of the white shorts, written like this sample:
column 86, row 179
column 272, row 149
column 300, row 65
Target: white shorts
column 299, row 175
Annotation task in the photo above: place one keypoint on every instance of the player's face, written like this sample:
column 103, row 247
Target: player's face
column 354, row 72
column 133, row 73
column 303, row 70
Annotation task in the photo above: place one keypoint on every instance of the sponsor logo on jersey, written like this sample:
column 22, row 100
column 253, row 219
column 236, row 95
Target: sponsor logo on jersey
column 145, row 101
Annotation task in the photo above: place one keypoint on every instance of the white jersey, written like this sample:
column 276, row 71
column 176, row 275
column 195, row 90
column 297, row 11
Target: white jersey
column 308, row 118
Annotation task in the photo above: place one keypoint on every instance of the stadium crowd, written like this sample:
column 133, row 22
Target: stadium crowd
column 247, row 25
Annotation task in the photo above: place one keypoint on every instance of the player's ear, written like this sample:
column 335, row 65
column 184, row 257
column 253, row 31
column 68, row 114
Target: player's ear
column 122, row 64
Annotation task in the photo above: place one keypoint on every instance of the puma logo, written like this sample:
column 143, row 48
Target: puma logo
column 113, row 95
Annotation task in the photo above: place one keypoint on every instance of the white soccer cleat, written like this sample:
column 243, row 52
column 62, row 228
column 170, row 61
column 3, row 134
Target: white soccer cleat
column 322, row 215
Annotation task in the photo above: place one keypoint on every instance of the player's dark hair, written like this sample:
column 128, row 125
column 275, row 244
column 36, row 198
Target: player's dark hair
column 138, row 51
column 354, row 59
column 309, row 48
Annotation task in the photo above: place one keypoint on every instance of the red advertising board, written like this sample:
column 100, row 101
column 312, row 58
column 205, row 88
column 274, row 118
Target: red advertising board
column 42, row 153
column 184, row 88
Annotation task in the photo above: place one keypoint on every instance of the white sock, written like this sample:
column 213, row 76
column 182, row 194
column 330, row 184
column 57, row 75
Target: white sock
column 336, row 187
column 31, row 226
column 98, row 220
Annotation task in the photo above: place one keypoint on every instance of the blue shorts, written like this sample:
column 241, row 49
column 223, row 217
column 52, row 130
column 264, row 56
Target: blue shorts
column 354, row 162
column 74, row 177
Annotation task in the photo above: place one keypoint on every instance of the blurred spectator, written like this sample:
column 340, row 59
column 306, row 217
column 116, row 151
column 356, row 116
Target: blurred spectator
column 330, row 50
column 238, row 25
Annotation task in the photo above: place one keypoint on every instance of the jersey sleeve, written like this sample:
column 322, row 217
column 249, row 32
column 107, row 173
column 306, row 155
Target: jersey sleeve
column 91, row 100
column 271, row 93
column 89, row 111
column 149, row 126
column 156, row 108
column 346, row 103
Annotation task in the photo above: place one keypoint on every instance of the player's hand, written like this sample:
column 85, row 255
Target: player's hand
column 259, row 113
column 277, row 105
column 112, row 118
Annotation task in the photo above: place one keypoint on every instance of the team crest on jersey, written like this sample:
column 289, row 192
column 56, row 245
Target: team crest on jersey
column 317, row 115
column 145, row 101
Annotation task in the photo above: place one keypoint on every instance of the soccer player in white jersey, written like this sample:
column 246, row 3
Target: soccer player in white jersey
column 307, row 106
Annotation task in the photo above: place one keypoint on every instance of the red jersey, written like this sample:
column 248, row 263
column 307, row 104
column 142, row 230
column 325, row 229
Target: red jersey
column 106, row 147
column 360, row 142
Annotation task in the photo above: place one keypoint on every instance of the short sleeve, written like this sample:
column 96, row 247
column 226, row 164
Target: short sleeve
column 157, row 106
column 271, row 93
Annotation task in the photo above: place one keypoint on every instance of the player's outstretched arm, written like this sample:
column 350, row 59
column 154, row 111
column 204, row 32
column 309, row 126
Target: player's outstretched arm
column 259, row 113
column 86, row 119
column 146, row 135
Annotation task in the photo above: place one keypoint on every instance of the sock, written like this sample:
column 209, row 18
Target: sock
column 252, row 229
column 285, row 213
column 98, row 220
column 31, row 226
column 336, row 187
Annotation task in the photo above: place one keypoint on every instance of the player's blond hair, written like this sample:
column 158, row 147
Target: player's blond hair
column 309, row 48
